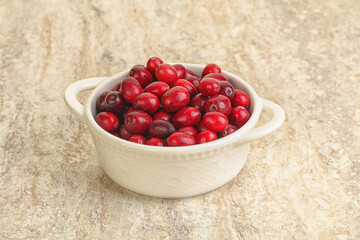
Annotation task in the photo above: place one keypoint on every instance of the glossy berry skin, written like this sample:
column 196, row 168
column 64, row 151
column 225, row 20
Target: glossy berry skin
column 156, row 142
column 181, row 71
column 189, row 73
column 137, row 138
column 130, row 88
column 163, row 115
column 211, row 68
column 188, row 130
column 157, row 88
column 108, row 121
column 198, row 101
column 129, row 110
column 206, row 136
column 188, row 116
column 239, row 116
column 138, row 122
column 240, row 99
column 226, row 89
column 194, row 80
column 175, row 99
column 186, row 84
column 201, row 126
column 147, row 102
column 217, row 76
column 100, row 102
column 153, row 63
column 161, row 128
column 228, row 130
column 215, row 121
column 140, row 73
column 166, row 73
column 218, row 103
column 115, row 103
column 209, row 86
column 180, row 139
column 124, row 133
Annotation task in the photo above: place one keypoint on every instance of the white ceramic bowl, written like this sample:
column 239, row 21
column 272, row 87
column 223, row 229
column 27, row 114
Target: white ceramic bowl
column 172, row 172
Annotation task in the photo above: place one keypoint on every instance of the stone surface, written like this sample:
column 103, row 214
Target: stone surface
column 301, row 182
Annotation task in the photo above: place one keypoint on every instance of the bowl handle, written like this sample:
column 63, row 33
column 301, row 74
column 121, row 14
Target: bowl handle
column 274, row 123
column 72, row 91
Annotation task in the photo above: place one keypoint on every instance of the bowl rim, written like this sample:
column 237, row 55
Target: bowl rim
column 219, row 143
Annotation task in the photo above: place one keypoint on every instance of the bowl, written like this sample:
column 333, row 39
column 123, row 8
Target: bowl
column 172, row 172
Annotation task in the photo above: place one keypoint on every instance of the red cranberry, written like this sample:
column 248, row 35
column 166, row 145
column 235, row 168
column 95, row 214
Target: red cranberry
column 129, row 110
column 188, row 130
column 156, row 142
column 189, row 73
column 186, row 84
column 181, row 71
column 209, row 86
column 138, row 122
column 115, row 103
column 239, row 116
column 130, row 88
column 226, row 89
column 100, row 102
column 166, row 73
column 117, row 87
column 205, row 136
column 175, row 99
column 217, row 76
column 140, row 139
column 240, row 99
column 161, row 128
column 124, row 133
column 188, row 116
column 153, row 63
column 180, row 139
column 215, row 121
column 211, row 68
column 198, row 101
column 218, row 103
column 194, row 80
column 107, row 120
column 201, row 126
column 140, row 73
column 228, row 130
column 147, row 102
column 157, row 88
column 161, row 114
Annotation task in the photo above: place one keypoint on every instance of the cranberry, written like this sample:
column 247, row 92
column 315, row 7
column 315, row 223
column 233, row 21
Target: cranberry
column 205, row 136
column 189, row 73
column 157, row 88
column 209, row 86
column 186, row 84
column 147, row 102
column 161, row 114
column 130, row 88
column 166, row 73
column 115, row 103
column 239, row 116
column 129, row 110
column 218, row 103
column 117, row 87
column 188, row 130
column 181, row 71
column 175, row 99
column 211, row 68
column 217, row 76
column 156, row 142
column 153, row 63
column 100, row 102
column 107, row 120
column 138, row 121
column 226, row 89
column 188, row 116
column 228, row 130
column 215, row 121
column 180, row 139
column 140, row 139
column 194, row 80
column 161, row 128
column 198, row 101
column 240, row 99
column 124, row 133
column 201, row 126
column 140, row 73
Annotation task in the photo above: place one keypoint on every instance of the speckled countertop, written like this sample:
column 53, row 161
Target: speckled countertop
column 301, row 182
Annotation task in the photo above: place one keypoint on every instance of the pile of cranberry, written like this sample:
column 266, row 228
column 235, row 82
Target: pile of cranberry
column 168, row 105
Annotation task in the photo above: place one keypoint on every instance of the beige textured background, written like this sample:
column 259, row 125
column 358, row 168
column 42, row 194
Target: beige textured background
column 301, row 182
